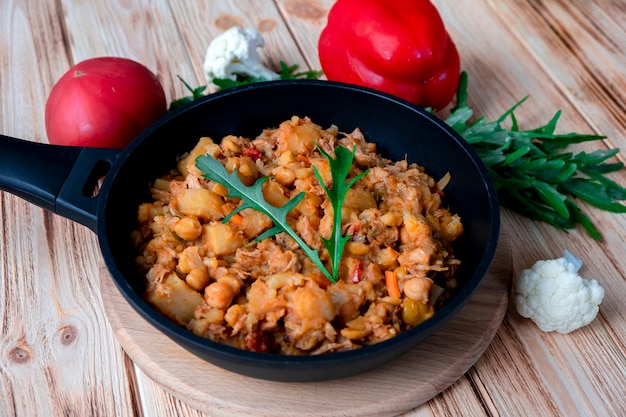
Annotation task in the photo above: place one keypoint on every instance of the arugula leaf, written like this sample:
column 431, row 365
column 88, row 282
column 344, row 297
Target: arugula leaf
column 531, row 176
column 252, row 197
column 339, row 168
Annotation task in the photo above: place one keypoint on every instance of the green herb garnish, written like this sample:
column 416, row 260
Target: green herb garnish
column 252, row 197
column 531, row 176
column 339, row 169
column 287, row 72
column 196, row 93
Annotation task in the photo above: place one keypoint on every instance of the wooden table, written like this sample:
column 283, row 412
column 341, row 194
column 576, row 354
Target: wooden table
column 58, row 354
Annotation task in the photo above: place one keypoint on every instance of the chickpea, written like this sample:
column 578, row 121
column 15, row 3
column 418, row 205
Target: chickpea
column 218, row 295
column 197, row 279
column 284, row 176
column 246, row 168
column 418, row 289
column 233, row 283
column 188, row 228
column 221, row 293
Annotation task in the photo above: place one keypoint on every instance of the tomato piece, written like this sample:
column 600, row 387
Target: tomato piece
column 103, row 102
column 252, row 153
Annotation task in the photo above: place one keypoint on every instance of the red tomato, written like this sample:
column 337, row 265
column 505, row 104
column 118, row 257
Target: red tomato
column 104, row 103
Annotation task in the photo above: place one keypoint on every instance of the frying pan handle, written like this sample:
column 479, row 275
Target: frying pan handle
column 60, row 179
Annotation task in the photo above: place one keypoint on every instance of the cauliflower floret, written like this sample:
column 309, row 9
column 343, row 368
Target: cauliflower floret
column 555, row 297
column 235, row 52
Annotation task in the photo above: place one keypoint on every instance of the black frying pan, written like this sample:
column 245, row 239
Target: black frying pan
column 61, row 179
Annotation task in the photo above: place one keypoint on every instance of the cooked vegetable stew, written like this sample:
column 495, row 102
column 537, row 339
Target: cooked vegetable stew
column 216, row 279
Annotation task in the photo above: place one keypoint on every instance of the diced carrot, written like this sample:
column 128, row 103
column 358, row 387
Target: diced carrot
column 304, row 159
column 391, row 280
column 235, row 219
column 225, row 209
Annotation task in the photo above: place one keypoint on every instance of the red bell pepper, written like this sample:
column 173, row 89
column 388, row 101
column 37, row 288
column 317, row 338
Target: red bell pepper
column 397, row 46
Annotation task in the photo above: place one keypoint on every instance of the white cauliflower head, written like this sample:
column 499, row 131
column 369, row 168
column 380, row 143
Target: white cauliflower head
column 555, row 297
column 235, row 52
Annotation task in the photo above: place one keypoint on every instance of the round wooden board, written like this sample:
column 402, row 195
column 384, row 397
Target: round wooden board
column 392, row 389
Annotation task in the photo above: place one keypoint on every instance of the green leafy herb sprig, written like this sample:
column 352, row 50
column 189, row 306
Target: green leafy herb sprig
column 339, row 169
column 532, row 177
column 287, row 72
column 196, row 93
column 252, row 197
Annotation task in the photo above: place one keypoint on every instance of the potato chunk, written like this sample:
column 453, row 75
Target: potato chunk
column 174, row 298
column 222, row 239
column 205, row 146
column 254, row 223
column 297, row 137
column 359, row 199
column 200, row 202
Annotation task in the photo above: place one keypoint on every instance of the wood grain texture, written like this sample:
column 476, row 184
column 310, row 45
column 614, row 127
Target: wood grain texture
column 397, row 387
column 55, row 342
column 200, row 22
column 583, row 48
column 560, row 388
column 58, row 353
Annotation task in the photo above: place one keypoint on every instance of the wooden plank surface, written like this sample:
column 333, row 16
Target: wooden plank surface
column 58, row 355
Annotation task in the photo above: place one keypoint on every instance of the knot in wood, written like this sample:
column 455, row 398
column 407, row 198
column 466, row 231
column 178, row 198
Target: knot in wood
column 20, row 355
column 68, row 334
